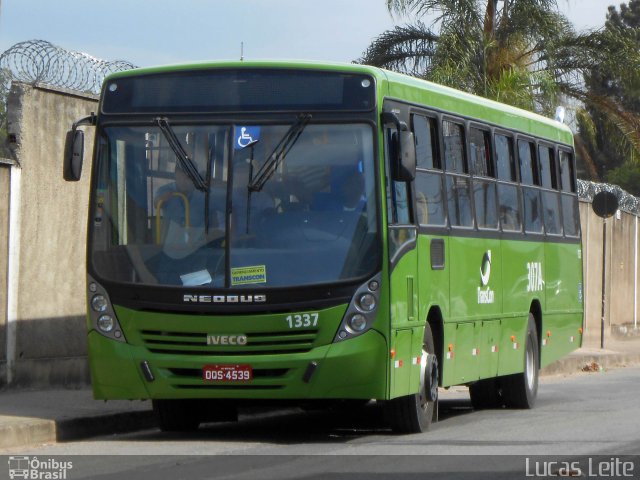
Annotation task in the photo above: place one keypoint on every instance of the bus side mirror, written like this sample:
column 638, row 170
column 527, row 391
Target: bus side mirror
column 405, row 170
column 73, row 155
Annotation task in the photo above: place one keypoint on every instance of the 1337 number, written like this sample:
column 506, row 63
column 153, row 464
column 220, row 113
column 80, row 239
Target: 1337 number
column 302, row 320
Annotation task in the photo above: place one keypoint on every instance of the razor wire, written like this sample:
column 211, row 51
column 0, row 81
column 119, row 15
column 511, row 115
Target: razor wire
column 39, row 61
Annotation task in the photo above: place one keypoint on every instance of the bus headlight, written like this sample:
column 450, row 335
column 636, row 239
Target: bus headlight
column 106, row 323
column 99, row 303
column 357, row 322
column 361, row 313
column 367, row 302
column 102, row 316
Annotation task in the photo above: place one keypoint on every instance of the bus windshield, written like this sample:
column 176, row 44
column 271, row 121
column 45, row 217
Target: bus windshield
column 313, row 220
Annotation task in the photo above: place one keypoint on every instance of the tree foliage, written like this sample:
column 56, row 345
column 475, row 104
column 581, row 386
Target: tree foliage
column 611, row 141
column 521, row 52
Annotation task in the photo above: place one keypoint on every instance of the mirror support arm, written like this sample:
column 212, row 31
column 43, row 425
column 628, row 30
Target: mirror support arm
column 89, row 120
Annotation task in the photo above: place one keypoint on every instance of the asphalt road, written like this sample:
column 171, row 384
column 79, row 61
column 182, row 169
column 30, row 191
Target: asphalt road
column 576, row 418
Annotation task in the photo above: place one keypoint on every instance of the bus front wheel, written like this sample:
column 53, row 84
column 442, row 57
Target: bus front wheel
column 414, row 413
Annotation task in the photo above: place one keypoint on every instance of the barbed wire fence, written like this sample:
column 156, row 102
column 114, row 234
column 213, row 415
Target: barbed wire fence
column 41, row 62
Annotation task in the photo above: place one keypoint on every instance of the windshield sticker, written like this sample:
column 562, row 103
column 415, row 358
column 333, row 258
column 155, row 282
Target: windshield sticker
column 246, row 136
column 194, row 279
column 249, row 275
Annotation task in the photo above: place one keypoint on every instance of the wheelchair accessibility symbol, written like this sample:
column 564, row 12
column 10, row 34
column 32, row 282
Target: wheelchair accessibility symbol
column 246, row 136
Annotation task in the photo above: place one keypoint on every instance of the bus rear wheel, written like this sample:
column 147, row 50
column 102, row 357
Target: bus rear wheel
column 414, row 413
column 520, row 390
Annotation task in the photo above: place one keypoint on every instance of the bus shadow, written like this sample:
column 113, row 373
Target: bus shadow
column 298, row 426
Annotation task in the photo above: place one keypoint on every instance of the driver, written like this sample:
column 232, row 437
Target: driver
column 181, row 229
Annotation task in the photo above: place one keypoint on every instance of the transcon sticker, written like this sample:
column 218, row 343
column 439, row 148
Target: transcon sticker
column 249, row 275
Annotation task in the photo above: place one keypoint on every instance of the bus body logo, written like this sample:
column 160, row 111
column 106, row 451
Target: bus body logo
column 485, row 296
column 485, row 269
column 224, row 299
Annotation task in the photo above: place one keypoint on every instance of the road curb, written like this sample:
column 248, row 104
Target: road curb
column 574, row 364
column 24, row 432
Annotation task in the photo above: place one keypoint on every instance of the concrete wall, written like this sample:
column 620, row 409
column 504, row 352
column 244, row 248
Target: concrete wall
column 5, row 170
column 621, row 279
column 48, row 281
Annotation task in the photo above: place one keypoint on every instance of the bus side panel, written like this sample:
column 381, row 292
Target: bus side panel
column 474, row 262
column 489, row 347
column 512, row 345
column 476, row 296
column 433, row 284
column 562, row 320
column 522, row 276
column 404, row 293
column 467, row 364
column 449, row 356
column 401, row 363
column 433, row 281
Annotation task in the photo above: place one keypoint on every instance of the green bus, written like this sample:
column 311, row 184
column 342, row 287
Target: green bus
column 299, row 232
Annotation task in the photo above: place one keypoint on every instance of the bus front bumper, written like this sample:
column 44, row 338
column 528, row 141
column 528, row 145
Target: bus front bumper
column 351, row 369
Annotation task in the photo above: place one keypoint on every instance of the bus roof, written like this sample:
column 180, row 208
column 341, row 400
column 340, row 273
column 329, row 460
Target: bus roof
column 402, row 87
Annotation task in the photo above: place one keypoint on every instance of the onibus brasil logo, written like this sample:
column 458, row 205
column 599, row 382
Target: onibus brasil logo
column 485, row 294
column 33, row 468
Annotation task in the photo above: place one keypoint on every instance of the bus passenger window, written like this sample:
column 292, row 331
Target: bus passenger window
column 532, row 210
column 509, row 200
column 430, row 199
column 484, row 196
column 454, row 147
column 566, row 172
column 528, row 166
column 480, row 152
column 459, row 201
column 505, row 159
column 570, row 215
column 424, row 129
column 551, row 206
column 548, row 168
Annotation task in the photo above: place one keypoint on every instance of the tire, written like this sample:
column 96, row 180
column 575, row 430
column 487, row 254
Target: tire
column 485, row 394
column 520, row 390
column 177, row 415
column 414, row 413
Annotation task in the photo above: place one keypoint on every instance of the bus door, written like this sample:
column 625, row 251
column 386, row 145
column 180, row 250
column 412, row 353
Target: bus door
column 403, row 258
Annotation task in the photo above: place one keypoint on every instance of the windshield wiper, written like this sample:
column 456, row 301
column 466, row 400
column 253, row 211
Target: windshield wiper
column 181, row 154
column 282, row 149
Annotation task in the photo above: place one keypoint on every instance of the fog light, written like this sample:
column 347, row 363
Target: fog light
column 367, row 302
column 99, row 303
column 358, row 322
column 106, row 323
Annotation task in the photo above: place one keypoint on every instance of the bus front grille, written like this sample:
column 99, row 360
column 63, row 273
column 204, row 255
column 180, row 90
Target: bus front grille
column 195, row 343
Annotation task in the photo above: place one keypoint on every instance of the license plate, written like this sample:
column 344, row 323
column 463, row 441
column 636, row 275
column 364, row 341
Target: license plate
column 227, row 373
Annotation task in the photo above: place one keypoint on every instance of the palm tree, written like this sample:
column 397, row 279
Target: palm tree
column 616, row 157
column 521, row 52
